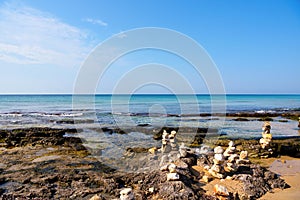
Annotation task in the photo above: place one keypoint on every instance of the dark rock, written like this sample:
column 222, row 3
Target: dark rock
column 265, row 119
column 190, row 161
column 41, row 136
column 259, row 180
column 283, row 120
column 113, row 130
column 240, row 119
column 143, row 125
column 65, row 121
column 2, row 180
column 137, row 149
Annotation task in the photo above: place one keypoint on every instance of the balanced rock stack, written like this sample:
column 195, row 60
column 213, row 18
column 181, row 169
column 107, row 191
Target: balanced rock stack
column 217, row 170
column 172, row 139
column 243, row 159
column 266, row 136
column 230, row 150
column 231, row 158
column 172, row 175
column 168, row 141
column 183, row 152
column 165, row 141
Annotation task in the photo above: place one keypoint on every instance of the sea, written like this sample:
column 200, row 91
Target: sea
column 89, row 111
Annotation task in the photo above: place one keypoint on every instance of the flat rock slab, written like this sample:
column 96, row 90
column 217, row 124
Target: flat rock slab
column 46, row 158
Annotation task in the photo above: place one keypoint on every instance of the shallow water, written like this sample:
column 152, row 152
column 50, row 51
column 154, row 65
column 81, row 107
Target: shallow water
column 156, row 110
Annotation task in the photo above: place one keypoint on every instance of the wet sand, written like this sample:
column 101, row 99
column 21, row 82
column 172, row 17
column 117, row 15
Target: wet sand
column 289, row 169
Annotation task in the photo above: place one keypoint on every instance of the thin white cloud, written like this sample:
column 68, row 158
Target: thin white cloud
column 95, row 21
column 29, row 36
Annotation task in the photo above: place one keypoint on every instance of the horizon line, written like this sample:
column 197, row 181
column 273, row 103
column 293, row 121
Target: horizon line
column 3, row 94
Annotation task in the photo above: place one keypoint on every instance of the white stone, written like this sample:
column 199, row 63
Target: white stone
column 95, row 197
column 219, row 157
column 165, row 135
column 126, row 194
column 229, row 151
column 151, row 190
column 215, row 174
column 164, row 168
column 206, row 167
column 218, row 150
column 172, row 168
column 233, row 158
column 243, row 155
column 173, row 133
column 216, row 168
column 172, row 177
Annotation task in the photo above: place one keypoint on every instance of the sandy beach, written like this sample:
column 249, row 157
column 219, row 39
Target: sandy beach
column 289, row 169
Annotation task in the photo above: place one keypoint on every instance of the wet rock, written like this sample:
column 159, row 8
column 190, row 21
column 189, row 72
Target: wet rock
column 240, row 119
column 143, row 125
column 40, row 136
column 113, row 130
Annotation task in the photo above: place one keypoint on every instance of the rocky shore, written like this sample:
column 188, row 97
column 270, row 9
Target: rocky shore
column 41, row 163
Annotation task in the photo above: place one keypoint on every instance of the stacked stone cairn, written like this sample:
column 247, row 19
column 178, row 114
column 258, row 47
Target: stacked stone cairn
column 243, row 159
column 265, row 141
column 172, row 174
column 231, row 158
column 169, row 144
column 172, row 140
column 266, row 136
column 217, row 170
column 225, row 163
column 183, row 152
column 165, row 141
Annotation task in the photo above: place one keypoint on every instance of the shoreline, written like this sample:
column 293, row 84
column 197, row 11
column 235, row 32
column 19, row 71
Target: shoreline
column 29, row 152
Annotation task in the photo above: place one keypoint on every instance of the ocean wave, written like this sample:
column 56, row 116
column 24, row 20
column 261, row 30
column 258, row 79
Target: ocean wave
column 56, row 114
column 12, row 114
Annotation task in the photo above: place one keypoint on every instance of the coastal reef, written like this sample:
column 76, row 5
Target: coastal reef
column 48, row 163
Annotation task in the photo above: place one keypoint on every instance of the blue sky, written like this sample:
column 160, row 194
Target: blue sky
column 255, row 44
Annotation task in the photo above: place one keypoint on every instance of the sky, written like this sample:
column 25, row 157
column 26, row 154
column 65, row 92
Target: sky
column 254, row 44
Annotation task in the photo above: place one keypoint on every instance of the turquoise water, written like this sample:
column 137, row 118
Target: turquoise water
column 156, row 110
column 141, row 103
